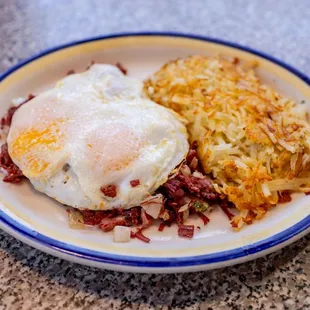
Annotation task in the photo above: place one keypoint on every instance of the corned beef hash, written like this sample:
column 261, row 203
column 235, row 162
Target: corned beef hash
column 115, row 151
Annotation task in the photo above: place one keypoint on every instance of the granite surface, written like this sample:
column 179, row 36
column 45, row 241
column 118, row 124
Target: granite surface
column 30, row 279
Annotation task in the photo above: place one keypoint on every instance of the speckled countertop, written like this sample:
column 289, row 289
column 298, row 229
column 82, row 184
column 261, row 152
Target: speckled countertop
column 30, row 279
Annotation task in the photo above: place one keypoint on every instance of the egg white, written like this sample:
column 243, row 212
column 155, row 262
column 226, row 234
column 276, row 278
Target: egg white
column 92, row 130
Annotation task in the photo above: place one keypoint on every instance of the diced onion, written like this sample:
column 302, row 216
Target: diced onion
column 185, row 170
column 198, row 175
column 184, row 207
column 153, row 205
column 75, row 218
column 185, row 215
column 121, row 234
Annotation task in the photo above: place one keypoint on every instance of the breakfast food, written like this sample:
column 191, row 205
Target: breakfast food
column 85, row 141
column 253, row 142
column 96, row 144
column 117, row 154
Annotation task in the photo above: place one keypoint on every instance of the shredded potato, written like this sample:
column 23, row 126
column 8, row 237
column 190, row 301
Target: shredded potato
column 253, row 141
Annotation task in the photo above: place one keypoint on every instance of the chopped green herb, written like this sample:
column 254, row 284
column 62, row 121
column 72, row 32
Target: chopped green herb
column 200, row 206
column 303, row 101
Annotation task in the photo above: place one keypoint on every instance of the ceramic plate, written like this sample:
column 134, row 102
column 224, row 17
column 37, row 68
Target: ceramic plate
column 42, row 223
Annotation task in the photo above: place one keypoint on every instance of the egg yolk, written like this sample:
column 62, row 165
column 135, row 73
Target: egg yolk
column 31, row 146
column 113, row 147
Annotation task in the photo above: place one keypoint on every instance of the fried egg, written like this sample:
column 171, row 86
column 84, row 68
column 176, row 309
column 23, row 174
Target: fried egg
column 93, row 131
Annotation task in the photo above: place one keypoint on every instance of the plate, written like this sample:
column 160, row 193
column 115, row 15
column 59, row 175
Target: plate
column 42, row 223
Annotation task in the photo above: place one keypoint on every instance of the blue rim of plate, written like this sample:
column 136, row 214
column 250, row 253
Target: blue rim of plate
column 164, row 262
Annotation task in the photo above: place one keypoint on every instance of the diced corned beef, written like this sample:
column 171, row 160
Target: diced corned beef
column 13, row 173
column 199, row 187
column 15, row 176
column 179, row 194
column 135, row 183
column 107, row 220
column 204, row 218
column 107, row 224
column 172, row 204
column 285, row 196
column 70, row 72
column 173, row 189
column 225, row 204
column 186, row 231
column 139, row 235
column 92, row 217
column 161, row 226
column 109, row 191
column 307, row 193
column 133, row 216
column 121, row 67
column 191, row 183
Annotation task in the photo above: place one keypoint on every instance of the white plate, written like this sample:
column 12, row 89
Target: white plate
column 42, row 222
